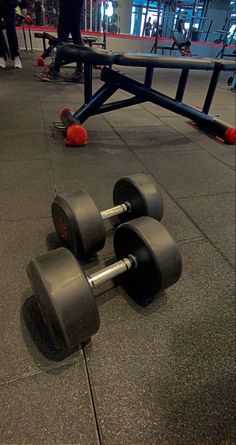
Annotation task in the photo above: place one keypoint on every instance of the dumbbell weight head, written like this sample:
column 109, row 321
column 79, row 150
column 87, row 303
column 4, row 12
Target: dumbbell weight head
column 112, row 28
column 142, row 194
column 64, row 294
column 158, row 258
column 114, row 18
column 65, row 298
column 78, row 223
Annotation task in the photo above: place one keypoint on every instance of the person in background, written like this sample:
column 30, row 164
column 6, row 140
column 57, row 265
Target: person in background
column 31, row 8
column 70, row 14
column 23, row 5
column 7, row 13
column 38, row 11
column 180, row 26
column 148, row 27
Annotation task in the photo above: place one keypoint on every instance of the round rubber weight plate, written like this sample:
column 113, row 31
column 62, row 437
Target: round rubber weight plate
column 78, row 223
column 142, row 194
column 159, row 261
column 65, row 298
column 114, row 18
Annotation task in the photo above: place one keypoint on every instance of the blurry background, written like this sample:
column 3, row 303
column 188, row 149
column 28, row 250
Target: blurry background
column 199, row 20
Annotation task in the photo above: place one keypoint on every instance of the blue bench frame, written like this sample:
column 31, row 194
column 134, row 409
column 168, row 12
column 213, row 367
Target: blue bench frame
column 95, row 104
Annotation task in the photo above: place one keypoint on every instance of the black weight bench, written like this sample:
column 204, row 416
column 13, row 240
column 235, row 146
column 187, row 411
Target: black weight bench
column 181, row 43
column 53, row 42
column 95, row 103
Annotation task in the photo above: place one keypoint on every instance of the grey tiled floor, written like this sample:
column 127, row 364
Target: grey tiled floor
column 156, row 375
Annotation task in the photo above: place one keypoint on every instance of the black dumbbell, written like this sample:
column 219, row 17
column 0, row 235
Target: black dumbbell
column 144, row 250
column 80, row 224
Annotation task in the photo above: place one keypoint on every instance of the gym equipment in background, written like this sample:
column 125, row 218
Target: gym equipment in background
column 25, row 22
column 168, row 15
column 143, row 92
column 50, row 47
column 147, row 259
column 182, row 44
column 80, row 225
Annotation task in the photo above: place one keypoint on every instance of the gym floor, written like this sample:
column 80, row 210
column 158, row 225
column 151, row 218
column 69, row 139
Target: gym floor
column 160, row 375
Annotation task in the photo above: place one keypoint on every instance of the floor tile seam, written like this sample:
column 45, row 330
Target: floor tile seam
column 163, row 149
column 55, row 189
column 232, row 168
column 159, row 117
column 36, row 373
column 45, row 123
column 92, row 398
column 197, row 239
column 52, row 173
column 206, row 240
column 167, row 117
column 119, row 136
column 116, row 132
column 218, row 250
column 153, row 114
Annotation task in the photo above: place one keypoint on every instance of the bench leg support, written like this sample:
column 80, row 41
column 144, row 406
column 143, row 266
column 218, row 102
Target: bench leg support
column 96, row 101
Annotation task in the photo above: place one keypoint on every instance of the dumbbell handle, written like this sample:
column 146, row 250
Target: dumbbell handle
column 114, row 211
column 111, row 271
